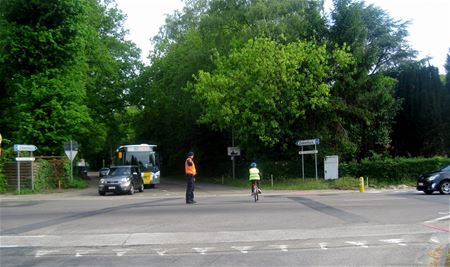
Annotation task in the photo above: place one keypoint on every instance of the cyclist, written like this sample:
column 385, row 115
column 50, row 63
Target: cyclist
column 254, row 176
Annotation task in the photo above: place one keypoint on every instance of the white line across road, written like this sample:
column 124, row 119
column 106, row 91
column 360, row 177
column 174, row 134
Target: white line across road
column 438, row 219
column 136, row 239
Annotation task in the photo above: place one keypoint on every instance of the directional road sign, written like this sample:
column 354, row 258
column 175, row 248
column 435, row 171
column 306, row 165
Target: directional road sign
column 308, row 142
column 30, row 148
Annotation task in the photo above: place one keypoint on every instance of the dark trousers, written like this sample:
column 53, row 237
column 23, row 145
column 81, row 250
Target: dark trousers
column 190, row 186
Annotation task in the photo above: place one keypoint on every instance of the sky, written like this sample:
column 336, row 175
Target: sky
column 429, row 29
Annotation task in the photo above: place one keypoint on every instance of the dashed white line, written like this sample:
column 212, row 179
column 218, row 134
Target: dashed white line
column 362, row 244
column 160, row 251
column 243, row 249
column 394, row 241
column 80, row 253
column 202, row 251
column 41, row 253
column 281, row 247
column 438, row 219
column 121, row 252
column 323, row 245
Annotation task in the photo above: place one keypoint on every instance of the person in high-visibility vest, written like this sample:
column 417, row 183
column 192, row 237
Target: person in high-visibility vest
column 191, row 172
column 254, row 175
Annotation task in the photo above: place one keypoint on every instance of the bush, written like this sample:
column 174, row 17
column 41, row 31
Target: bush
column 392, row 170
column 45, row 179
column 3, row 180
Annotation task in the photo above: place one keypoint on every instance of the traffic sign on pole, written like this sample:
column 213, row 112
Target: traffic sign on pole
column 308, row 142
column 29, row 148
column 71, row 150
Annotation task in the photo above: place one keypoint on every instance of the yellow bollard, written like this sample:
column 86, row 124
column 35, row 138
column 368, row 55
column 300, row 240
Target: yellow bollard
column 361, row 184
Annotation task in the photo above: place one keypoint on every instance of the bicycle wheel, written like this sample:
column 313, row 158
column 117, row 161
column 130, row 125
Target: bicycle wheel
column 255, row 193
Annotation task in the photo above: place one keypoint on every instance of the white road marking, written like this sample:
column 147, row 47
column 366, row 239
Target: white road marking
column 243, row 249
column 438, row 219
column 161, row 251
column 394, row 241
column 41, row 253
column 202, row 251
column 323, row 245
column 281, row 247
column 80, row 252
column 362, row 244
column 121, row 252
column 434, row 240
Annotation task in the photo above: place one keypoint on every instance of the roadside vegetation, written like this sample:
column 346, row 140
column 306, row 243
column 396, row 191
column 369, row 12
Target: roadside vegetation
column 259, row 75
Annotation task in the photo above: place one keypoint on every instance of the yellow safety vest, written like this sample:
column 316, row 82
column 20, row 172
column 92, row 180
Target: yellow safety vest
column 254, row 174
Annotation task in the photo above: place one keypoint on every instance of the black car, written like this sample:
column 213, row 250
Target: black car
column 435, row 181
column 121, row 179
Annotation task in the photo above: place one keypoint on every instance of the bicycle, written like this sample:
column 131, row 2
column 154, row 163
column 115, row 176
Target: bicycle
column 255, row 191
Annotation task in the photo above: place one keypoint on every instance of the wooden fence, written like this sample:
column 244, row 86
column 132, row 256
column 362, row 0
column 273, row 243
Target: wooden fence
column 26, row 178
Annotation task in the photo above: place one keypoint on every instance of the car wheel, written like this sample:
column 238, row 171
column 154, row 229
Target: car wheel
column 101, row 193
column 444, row 188
column 141, row 189
column 428, row 192
column 131, row 192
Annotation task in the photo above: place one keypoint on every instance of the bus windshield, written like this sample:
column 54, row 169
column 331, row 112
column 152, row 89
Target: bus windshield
column 145, row 160
column 144, row 156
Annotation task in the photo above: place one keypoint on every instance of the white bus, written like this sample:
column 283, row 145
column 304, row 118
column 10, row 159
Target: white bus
column 145, row 156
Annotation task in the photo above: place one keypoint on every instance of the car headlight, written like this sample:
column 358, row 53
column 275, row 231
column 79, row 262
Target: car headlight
column 102, row 181
column 432, row 177
column 125, row 180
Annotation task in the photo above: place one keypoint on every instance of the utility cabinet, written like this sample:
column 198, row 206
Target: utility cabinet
column 331, row 167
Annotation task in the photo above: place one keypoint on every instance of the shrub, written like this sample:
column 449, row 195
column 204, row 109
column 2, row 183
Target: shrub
column 392, row 170
column 3, row 180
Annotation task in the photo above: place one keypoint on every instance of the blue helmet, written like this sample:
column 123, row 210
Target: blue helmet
column 190, row 154
column 253, row 164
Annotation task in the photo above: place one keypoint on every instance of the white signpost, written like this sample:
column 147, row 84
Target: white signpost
column 28, row 148
column 234, row 151
column 308, row 142
column 71, row 150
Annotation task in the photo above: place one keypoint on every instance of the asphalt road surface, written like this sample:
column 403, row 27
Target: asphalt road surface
column 225, row 228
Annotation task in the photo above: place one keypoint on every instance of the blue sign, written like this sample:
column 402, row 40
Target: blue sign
column 25, row 148
column 308, row 142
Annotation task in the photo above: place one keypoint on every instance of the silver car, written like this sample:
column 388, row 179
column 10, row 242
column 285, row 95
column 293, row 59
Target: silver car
column 121, row 179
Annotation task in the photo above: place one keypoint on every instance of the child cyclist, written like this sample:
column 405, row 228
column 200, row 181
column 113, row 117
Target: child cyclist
column 254, row 176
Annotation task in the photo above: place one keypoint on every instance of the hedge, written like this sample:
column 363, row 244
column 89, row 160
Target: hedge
column 392, row 169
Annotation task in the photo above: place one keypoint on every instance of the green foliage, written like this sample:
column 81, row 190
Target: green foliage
column 77, row 183
column 43, row 67
column 422, row 126
column 392, row 170
column 3, row 180
column 263, row 89
column 45, row 179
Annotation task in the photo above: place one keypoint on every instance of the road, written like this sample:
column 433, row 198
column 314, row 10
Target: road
column 225, row 228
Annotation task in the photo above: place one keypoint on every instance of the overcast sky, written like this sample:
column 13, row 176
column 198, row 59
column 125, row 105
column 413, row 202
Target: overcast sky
column 429, row 28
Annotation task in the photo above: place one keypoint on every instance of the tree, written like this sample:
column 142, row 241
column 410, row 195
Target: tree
column 422, row 125
column 113, row 69
column 185, row 46
column 366, row 105
column 69, row 71
column 265, row 88
column 42, row 68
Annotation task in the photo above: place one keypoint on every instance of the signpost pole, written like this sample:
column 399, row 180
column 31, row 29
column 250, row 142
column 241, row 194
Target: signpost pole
column 232, row 144
column 32, row 173
column 315, row 158
column 18, row 173
column 71, row 166
column 303, row 166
